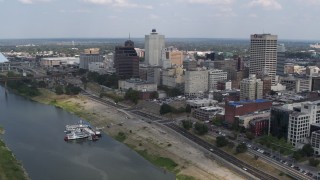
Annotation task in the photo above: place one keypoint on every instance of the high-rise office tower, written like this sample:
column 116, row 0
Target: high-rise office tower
column 281, row 50
column 263, row 55
column 154, row 43
column 126, row 61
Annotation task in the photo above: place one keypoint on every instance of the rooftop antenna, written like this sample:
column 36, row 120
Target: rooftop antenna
column 129, row 36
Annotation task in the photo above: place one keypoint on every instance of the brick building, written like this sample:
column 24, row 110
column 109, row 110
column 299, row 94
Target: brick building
column 243, row 107
column 259, row 126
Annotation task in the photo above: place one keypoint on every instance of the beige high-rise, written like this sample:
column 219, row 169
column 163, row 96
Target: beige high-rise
column 263, row 55
column 251, row 88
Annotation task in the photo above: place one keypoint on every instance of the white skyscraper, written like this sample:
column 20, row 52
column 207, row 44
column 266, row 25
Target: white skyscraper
column 263, row 55
column 154, row 43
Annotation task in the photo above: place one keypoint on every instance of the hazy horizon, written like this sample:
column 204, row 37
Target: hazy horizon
column 38, row 19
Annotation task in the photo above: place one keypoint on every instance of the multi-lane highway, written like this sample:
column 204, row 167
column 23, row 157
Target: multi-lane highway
column 231, row 159
column 286, row 169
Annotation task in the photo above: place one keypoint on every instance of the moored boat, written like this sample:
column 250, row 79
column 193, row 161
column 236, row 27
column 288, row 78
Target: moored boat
column 81, row 131
column 73, row 135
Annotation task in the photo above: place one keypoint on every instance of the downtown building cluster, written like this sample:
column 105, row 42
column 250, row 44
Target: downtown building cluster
column 263, row 92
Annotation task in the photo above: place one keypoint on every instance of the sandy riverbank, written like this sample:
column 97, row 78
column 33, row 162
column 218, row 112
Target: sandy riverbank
column 140, row 136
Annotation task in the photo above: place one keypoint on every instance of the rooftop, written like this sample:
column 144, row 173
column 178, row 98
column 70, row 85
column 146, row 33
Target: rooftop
column 237, row 103
column 296, row 113
column 201, row 101
column 61, row 58
column 211, row 108
column 137, row 81
column 258, row 119
column 257, row 113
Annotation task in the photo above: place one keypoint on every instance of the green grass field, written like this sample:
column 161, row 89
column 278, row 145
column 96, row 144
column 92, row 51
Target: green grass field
column 159, row 161
column 10, row 168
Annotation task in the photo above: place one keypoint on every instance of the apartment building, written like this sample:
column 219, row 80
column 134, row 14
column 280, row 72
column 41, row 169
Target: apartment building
column 251, row 88
column 216, row 75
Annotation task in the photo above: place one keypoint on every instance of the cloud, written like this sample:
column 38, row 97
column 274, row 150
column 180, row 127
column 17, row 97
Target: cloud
column 225, row 12
column 32, row 1
column 310, row 2
column 101, row 2
column 267, row 4
column 112, row 17
column 119, row 3
column 153, row 16
column 253, row 15
column 75, row 11
column 211, row 2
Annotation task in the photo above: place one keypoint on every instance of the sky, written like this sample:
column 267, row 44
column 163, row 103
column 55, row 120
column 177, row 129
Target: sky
column 289, row 19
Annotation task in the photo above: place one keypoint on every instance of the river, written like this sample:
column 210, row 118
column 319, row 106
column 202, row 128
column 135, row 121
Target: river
column 34, row 132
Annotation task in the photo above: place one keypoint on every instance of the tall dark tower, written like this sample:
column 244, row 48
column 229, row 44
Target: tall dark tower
column 126, row 61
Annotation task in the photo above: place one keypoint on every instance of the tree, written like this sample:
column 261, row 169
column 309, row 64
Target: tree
column 93, row 76
column 187, row 124
column 241, row 148
column 221, row 141
column 132, row 95
column 307, row 150
column 154, row 95
column 59, row 90
column 231, row 144
column 188, row 108
column 201, row 128
column 314, row 162
column 297, row 155
column 84, row 80
column 216, row 121
column 72, row 90
column 42, row 84
column 165, row 108
column 249, row 135
column 82, row 71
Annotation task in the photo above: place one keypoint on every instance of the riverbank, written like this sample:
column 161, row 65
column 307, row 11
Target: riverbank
column 10, row 168
column 162, row 148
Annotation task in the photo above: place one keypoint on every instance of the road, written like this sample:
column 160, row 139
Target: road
column 285, row 169
column 231, row 159
column 168, row 123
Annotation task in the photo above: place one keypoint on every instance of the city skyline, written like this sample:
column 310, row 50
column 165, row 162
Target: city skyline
column 293, row 19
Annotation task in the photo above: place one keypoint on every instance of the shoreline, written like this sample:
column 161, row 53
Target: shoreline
column 10, row 167
column 157, row 146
